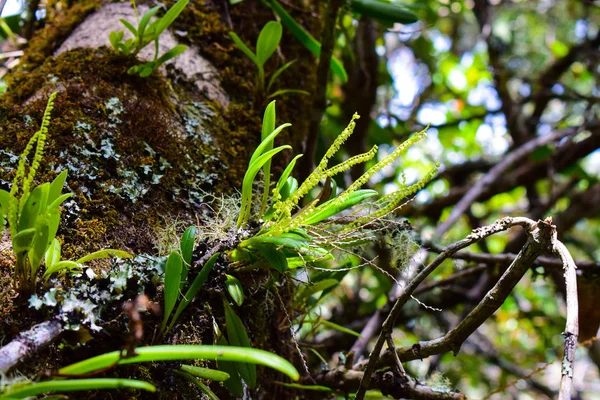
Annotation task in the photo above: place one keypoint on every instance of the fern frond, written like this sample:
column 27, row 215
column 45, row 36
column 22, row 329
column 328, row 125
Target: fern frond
column 40, row 135
column 391, row 201
column 284, row 209
column 382, row 164
column 349, row 163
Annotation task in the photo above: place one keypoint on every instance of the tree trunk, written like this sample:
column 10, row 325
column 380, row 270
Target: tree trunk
column 147, row 156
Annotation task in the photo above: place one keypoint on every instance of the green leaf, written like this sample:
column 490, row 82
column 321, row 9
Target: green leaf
column 242, row 46
column 268, row 40
column 128, row 25
column 36, row 203
column 59, row 266
column 186, row 246
column 285, row 179
column 239, row 337
column 275, row 258
column 194, row 288
column 281, row 92
column 278, row 241
column 249, row 179
column 21, row 391
column 115, row 39
column 205, row 373
column 235, row 289
column 170, row 16
column 278, row 72
column 22, row 240
column 52, row 254
column 316, row 388
column 142, row 26
column 330, row 208
column 184, row 352
column 105, row 253
column 340, row 328
column 59, row 200
column 172, row 279
column 268, row 126
column 266, row 144
column 306, row 39
column 387, row 12
column 234, row 383
column 306, row 291
column 174, row 52
column 38, row 247
column 56, row 187
column 205, row 389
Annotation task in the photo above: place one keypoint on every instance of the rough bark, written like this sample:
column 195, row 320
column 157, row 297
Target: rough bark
column 145, row 154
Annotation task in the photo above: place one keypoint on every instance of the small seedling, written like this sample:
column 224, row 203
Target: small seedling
column 147, row 33
column 267, row 43
column 176, row 279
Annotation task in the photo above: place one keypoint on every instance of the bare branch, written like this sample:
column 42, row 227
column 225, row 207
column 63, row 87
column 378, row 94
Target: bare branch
column 572, row 329
column 389, row 383
column 475, row 236
column 29, row 343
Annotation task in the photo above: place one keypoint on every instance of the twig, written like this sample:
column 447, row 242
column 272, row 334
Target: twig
column 572, row 328
column 507, row 258
column 29, row 343
column 406, row 387
column 475, row 236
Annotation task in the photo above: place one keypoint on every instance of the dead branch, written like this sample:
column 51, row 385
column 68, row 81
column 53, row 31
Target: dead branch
column 399, row 387
column 29, row 343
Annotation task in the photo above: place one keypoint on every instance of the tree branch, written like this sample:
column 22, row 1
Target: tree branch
column 29, row 343
column 389, row 383
column 406, row 293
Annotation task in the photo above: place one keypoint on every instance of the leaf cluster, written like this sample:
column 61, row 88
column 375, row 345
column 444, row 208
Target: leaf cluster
column 286, row 238
column 176, row 279
column 67, row 380
column 33, row 216
column 266, row 44
column 148, row 32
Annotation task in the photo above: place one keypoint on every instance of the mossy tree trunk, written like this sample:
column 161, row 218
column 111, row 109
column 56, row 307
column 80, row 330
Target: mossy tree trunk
column 147, row 154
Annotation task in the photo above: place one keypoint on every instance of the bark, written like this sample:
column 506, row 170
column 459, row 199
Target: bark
column 146, row 154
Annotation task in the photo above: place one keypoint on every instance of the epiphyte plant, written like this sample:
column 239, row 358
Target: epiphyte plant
column 176, row 279
column 286, row 236
column 33, row 216
column 266, row 44
column 106, row 361
column 147, row 33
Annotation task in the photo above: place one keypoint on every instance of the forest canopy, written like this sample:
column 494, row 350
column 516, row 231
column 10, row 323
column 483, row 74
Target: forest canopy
column 300, row 199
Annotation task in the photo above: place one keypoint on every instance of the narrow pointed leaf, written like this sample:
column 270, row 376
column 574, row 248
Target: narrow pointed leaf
column 56, row 186
column 239, row 337
column 170, row 16
column 184, row 352
column 194, row 288
column 73, row 385
column 205, row 373
column 105, row 253
column 242, row 46
column 52, row 255
column 278, row 72
column 172, row 279
column 59, row 266
column 235, row 289
column 331, row 207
